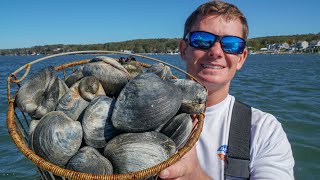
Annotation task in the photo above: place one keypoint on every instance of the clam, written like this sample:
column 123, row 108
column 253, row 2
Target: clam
column 72, row 104
column 90, row 87
column 163, row 71
column 132, row 152
column 63, row 88
column 57, row 138
column 96, row 122
column 145, row 103
column 178, row 129
column 133, row 67
column 111, row 74
column 33, row 125
column 39, row 94
column 89, row 160
column 194, row 96
column 74, row 77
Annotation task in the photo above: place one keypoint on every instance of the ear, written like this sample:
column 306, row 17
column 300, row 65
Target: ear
column 182, row 48
column 242, row 58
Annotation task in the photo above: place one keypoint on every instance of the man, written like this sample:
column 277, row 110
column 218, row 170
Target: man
column 213, row 48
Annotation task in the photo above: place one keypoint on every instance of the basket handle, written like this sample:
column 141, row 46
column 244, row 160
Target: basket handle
column 27, row 66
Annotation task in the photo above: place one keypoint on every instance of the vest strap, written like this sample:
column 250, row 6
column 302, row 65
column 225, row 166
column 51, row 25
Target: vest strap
column 238, row 156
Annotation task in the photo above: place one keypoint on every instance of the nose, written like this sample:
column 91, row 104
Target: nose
column 216, row 50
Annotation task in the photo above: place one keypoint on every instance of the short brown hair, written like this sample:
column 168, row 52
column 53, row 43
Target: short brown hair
column 228, row 11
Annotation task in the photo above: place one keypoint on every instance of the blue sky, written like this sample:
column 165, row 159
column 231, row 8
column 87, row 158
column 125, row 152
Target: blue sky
column 40, row 22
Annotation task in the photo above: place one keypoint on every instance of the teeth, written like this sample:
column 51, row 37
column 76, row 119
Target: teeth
column 212, row 66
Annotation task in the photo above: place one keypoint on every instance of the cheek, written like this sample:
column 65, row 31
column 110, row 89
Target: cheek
column 233, row 62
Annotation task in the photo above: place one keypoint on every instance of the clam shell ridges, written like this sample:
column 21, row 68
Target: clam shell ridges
column 74, row 77
column 111, row 76
column 145, row 103
column 39, row 94
column 72, row 104
column 57, row 138
column 163, row 71
column 132, row 152
column 178, row 129
column 63, row 88
column 194, row 96
column 96, row 123
column 89, row 160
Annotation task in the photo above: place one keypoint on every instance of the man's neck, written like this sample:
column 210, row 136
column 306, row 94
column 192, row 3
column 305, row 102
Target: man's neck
column 215, row 97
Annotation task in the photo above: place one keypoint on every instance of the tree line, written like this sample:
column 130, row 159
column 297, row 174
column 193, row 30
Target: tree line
column 161, row 45
column 261, row 42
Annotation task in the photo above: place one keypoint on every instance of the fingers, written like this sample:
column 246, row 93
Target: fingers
column 181, row 168
column 174, row 171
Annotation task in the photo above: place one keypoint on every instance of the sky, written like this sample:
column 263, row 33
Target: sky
column 30, row 23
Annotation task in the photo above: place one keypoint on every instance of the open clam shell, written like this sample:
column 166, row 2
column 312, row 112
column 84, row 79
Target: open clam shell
column 57, row 138
column 163, row 71
column 96, row 122
column 110, row 73
column 145, row 103
column 89, row 160
column 194, row 96
column 39, row 94
column 132, row 152
column 178, row 129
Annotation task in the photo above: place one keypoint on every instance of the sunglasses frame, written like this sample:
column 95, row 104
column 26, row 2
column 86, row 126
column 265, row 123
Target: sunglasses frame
column 217, row 39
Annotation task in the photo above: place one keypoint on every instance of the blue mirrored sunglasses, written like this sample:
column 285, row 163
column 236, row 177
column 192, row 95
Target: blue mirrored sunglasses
column 205, row 40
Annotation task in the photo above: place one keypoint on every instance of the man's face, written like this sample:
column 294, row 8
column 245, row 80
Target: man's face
column 213, row 67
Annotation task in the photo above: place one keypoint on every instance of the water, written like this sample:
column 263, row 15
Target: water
column 287, row 86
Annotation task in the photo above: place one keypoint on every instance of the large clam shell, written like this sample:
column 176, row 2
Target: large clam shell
column 89, row 160
column 57, row 138
column 194, row 96
column 145, row 103
column 163, row 71
column 74, row 77
column 72, row 104
column 178, row 129
column 39, row 94
column 96, row 122
column 110, row 73
column 132, row 152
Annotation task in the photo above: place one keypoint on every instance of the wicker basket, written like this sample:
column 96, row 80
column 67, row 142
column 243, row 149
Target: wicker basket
column 18, row 125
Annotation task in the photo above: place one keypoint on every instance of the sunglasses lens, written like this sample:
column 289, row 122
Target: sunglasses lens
column 233, row 45
column 201, row 40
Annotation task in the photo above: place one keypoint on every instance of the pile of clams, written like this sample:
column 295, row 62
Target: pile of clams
column 109, row 117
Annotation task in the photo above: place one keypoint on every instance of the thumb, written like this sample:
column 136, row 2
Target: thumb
column 180, row 168
column 174, row 171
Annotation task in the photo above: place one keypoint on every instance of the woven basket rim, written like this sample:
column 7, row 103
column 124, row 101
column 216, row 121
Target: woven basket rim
column 17, row 136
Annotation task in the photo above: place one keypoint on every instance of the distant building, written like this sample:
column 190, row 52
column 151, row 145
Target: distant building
column 284, row 46
column 302, row 45
column 314, row 43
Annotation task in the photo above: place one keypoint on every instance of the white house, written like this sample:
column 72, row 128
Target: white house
column 314, row 43
column 302, row 44
column 284, row 46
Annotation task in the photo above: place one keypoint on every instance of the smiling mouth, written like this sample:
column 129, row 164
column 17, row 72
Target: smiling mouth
column 212, row 66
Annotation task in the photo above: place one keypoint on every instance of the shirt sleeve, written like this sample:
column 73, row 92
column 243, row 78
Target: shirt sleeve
column 271, row 154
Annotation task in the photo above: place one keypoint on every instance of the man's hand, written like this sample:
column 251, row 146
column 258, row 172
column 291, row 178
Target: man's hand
column 187, row 167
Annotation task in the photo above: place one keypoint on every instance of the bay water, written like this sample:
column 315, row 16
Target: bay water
column 286, row 85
